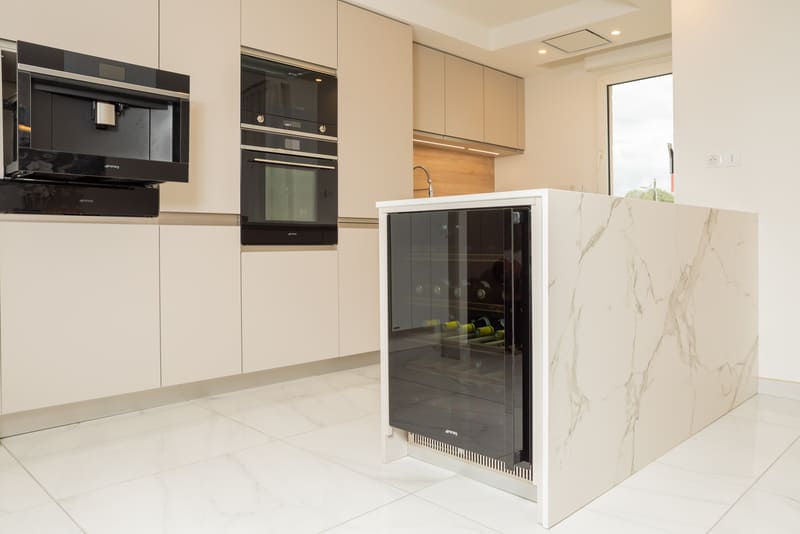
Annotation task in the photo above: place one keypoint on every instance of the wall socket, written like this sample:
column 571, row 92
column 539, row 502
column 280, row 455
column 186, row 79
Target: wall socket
column 725, row 159
column 714, row 160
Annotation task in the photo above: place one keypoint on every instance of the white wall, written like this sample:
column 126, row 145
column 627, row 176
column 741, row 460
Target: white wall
column 565, row 118
column 737, row 89
column 560, row 136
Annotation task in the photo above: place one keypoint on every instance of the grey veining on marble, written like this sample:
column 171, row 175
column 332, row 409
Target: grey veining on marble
column 652, row 334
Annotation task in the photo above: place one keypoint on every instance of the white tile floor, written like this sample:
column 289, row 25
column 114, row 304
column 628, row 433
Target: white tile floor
column 303, row 456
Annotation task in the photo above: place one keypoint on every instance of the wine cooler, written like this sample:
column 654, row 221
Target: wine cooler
column 460, row 329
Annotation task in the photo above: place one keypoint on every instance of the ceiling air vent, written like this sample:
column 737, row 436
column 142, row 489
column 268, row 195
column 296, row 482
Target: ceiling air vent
column 577, row 41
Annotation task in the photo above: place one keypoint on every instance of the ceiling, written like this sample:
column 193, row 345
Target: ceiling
column 507, row 34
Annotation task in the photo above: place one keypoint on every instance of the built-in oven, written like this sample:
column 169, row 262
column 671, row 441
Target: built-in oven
column 289, row 185
column 81, row 132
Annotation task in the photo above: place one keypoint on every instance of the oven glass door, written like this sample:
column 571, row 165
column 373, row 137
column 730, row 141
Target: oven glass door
column 459, row 339
column 288, row 199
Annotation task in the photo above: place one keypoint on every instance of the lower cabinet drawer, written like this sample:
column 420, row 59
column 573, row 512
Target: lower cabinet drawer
column 290, row 312
column 78, row 312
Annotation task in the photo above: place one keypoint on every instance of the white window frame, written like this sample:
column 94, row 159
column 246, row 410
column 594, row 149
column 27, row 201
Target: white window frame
column 627, row 74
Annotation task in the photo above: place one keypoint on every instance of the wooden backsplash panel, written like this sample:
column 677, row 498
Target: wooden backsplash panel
column 453, row 172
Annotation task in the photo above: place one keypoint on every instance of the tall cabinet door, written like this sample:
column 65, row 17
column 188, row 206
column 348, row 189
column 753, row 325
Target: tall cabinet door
column 299, row 29
column 201, row 39
column 463, row 98
column 78, row 312
column 201, row 327
column 124, row 31
column 375, row 111
column 358, row 289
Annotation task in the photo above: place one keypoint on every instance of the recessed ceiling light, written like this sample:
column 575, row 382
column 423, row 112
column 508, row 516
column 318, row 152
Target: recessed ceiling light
column 318, row 80
column 542, row 50
column 615, row 32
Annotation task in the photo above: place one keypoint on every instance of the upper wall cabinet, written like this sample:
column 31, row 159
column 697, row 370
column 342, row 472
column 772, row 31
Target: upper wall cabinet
column 457, row 98
column 299, row 29
column 428, row 89
column 124, row 31
column 375, row 111
column 463, row 103
column 201, row 39
column 500, row 114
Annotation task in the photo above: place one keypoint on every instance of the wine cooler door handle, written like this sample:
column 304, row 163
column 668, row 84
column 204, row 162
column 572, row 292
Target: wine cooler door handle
column 292, row 163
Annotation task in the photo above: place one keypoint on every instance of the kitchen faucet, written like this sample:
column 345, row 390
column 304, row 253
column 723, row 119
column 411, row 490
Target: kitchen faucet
column 430, row 182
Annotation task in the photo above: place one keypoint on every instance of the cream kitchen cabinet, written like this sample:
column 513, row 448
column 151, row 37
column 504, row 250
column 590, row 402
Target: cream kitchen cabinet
column 428, row 89
column 358, row 289
column 78, row 311
column 201, row 325
column 457, row 98
column 463, row 101
column 299, row 29
column 201, row 39
column 521, row 119
column 500, row 113
column 375, row 111
column 290, row 309
column 123, row 31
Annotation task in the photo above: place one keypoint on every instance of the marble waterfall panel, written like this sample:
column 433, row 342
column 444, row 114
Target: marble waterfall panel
column 652, row 334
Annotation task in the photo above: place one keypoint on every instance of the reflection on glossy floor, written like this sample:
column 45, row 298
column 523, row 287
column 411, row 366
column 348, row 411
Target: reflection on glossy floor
column 303, row 456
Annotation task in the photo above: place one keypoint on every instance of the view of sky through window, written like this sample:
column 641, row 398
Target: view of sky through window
column 640, row 128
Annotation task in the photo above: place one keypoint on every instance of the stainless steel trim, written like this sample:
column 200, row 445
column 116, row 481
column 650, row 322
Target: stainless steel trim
column 288, row 152
column 173, row 218
column 76, row 219
column 10, row 46
column 293, row 164
column 41, row 418
column 284, row 248
column 101, row 81
column 358, row 222
column 293, row 133
column 288, row 60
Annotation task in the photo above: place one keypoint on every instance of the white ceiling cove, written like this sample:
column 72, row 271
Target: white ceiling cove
column 507, row 33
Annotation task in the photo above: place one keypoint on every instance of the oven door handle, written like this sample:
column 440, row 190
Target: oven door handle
column 292, row 163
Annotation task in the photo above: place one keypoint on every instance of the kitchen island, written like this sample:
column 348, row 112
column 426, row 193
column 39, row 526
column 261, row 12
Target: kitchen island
column 642, row 330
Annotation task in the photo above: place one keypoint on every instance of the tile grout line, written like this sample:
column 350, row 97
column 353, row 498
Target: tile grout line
column 44, row 489
column 460, row 514
column 751, row 486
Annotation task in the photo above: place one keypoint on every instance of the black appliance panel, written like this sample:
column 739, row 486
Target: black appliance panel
column 39, row 197
column 459, row 339
column 288, row 199
column 287, row 97
column 55, row 114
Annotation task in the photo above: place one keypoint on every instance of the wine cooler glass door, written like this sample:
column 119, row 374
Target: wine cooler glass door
column 460, row 328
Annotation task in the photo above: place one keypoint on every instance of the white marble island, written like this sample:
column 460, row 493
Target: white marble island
column 645, row 331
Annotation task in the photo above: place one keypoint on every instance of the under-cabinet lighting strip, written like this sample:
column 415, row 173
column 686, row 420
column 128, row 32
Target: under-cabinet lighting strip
column 484, row 151
column 438, row 144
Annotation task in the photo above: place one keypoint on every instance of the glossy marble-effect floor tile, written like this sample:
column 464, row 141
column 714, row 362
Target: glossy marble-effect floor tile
column 411, row 514
column 737, row 449
column 79, row 458
column 269, row 488
column 774, row 410
column 18, row 491
column 773, row 504
column 669, row 499
column 357, row 445
column 288, row 409
column 498, row 509
column 43, row 519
